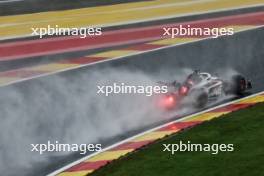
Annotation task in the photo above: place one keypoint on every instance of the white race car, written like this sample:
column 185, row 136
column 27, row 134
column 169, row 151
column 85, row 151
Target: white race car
column 199, row 88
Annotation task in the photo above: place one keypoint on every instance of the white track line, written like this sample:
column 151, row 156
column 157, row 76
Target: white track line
column 145, row 132
column 115, row 58
column 9, row 1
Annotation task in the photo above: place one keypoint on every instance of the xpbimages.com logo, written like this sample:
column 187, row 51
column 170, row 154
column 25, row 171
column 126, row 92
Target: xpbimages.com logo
column 122, row 88
column 65, row 31
column 59, row 147
column 189, row 147
column 189, row 31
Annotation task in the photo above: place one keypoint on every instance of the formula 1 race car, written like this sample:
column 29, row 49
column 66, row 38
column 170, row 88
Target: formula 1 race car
column 200, row 88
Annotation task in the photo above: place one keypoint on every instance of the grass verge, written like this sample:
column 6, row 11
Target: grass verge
column 244, row 129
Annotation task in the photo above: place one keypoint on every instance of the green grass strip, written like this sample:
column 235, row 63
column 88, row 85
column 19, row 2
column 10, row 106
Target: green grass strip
column 244, row 129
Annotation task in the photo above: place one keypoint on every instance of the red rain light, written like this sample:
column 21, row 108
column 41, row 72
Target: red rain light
column 169, row 102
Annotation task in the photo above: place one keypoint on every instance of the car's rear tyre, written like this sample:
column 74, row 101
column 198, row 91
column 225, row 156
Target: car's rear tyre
column 238, row 85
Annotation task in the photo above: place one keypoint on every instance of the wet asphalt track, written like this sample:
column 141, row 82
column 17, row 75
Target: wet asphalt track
column 243, row 52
